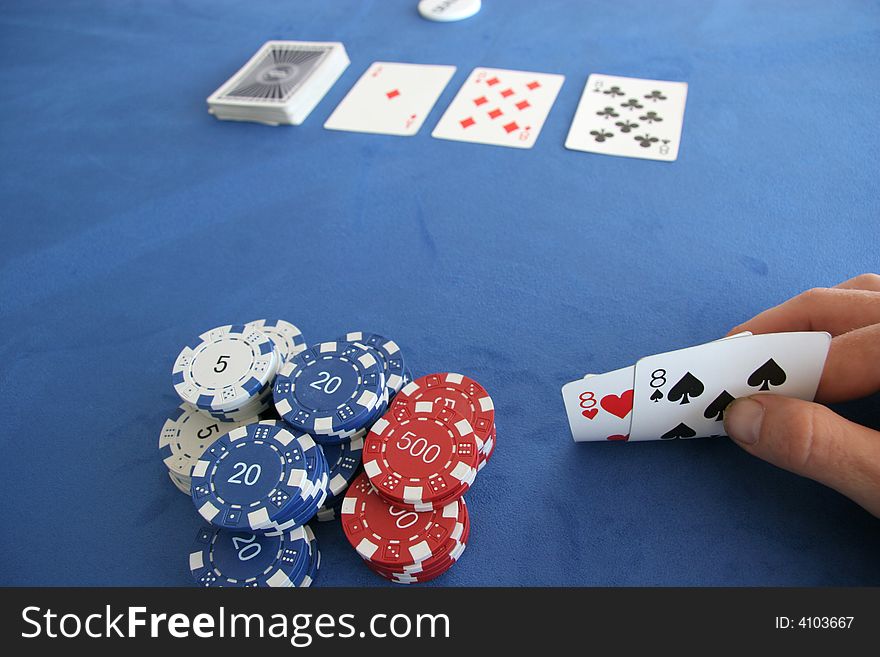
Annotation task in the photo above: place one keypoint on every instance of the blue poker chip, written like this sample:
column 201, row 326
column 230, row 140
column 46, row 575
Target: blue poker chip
column 252, row 476
column 314, row 560
column 223, row 557
column 344, row 461
column 330, row 388
column 304, row 509
column 225, row 368
column 341, row 438
column 389, row 353
column 251, row 409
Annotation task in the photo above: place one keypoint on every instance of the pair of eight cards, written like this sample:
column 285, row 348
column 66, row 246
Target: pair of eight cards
column 684, row 393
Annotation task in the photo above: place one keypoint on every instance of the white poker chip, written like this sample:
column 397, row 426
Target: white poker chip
column 186, row 435
column 446, row 11
column 225, row 368
column 288, row 338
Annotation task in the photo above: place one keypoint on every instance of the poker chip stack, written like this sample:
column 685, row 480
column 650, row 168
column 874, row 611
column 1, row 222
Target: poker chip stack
column 356, row 438
column 344, row 461
column 228, row 372
column 281, row 84
column 335, row 391
column 405, row 547
column 419, row 460
column 459, row 393
column 224, row 557
column 225, row 381
column 261, row 478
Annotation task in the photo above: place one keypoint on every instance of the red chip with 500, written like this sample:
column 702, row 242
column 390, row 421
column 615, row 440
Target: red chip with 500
column 421, row 454
column 455, row 391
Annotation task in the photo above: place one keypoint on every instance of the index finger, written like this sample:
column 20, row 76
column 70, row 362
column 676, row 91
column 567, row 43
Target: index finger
column 852, row 369
column 862, row 282
column 836, row 310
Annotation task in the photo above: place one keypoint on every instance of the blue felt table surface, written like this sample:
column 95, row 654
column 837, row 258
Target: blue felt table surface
column 132, row 220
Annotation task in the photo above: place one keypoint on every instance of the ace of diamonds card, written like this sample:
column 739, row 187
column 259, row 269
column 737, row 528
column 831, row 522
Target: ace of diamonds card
column 391, row 99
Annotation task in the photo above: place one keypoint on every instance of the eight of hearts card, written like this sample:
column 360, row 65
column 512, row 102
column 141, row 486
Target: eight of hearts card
column 629, row 117
column 500, row 107
column 684, row 393
column 391, row 98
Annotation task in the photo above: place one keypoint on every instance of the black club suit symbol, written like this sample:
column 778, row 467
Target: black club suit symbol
column 608, row 112
column 655, row 96
column 601, row 135
column 613, row 91
column 651, row 117
column 645, row 141
column 632, row 104
column 626, row 126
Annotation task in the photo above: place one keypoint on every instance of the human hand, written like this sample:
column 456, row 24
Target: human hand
column 808, row 438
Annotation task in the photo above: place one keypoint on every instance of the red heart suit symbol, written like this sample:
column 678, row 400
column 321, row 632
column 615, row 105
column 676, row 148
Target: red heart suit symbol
column 619, row 405
column 590, row 414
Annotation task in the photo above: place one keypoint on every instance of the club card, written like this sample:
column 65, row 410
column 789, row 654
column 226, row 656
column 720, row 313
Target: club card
column 683, row 394
column 500, row 107
column 391, row 99
column 629, row 117
column 599, row 406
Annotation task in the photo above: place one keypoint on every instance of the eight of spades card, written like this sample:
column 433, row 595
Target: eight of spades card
column 683, row 394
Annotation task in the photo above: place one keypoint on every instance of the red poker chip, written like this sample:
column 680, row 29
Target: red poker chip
column 487, row 453
column 441, row 561
column 421, row 454
column 421, row 576
column 429, row 571
column 453, row 390
column 425, row 575
column 391, row 536
column 452, row 495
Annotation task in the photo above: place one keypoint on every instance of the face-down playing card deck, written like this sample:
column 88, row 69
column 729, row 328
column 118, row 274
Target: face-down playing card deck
column 683, row 393
column 281, row 84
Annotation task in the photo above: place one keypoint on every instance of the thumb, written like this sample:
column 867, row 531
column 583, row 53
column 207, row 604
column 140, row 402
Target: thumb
column 810, row 440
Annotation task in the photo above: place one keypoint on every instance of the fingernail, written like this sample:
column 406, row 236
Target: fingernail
column 743, row 419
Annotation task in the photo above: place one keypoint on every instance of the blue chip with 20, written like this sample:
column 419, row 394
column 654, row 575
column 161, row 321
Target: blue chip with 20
column 252, row 476
column 390, row 354
column 223, row 557
column 330, row 388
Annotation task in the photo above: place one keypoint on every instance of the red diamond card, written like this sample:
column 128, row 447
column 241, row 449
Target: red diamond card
column 391, row 99
column 500, row 107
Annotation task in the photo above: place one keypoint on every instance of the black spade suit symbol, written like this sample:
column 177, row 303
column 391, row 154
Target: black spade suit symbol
column 769, row 374
column 681, row 431
column 715, row 410
column 689, row 386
